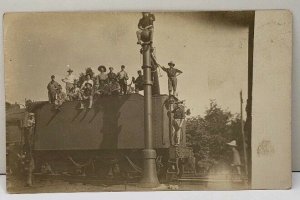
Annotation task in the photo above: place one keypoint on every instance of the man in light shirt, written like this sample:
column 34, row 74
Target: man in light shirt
column 69, row 80
column 87, row 92
column 236, row 159
column 123, row 77
column 172, row 73
column 87, row 80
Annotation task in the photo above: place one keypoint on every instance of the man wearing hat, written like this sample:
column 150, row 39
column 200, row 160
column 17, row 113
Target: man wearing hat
column 172, row 73
column 236, row 159
column 102, row 78
column 179, row 118
column 69, row 80
column 146, row 25
column 138, row 82
column 122, row 76
column 52, row 89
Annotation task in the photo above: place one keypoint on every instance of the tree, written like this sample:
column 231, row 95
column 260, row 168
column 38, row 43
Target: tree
column 208, row 135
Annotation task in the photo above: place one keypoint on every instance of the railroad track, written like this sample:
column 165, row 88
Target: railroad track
column 94, row 180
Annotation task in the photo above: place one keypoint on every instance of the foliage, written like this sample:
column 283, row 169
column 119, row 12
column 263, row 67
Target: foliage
column 208, row 135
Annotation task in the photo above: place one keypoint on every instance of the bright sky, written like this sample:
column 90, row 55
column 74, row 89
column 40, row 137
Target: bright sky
column 209, row 49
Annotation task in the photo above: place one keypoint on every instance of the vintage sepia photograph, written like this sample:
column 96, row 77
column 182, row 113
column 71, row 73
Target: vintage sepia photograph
column 132, row 101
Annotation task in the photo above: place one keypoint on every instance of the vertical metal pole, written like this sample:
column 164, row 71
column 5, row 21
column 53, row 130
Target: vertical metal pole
column 171, row 132
column 243, row 136
column 149, row 174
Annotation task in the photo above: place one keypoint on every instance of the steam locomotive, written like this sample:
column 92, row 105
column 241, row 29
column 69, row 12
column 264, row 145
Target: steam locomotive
column 104, row 142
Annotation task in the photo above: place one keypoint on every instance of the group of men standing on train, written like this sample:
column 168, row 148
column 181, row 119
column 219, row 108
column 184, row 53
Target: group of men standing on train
column 102, row 84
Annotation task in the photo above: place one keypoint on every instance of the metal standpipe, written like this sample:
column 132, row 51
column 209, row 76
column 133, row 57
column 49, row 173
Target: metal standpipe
column 149, row 179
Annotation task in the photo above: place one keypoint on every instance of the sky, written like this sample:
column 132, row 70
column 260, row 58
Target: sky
column 210, row 49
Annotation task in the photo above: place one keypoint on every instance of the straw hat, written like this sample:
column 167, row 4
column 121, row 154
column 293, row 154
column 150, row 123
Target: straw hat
column 171, row 63
column 102, row 67
column 232, row 143
column 87, row 83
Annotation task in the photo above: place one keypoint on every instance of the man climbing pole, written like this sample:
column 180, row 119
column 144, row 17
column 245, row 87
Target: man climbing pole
column 146, row 27
column 179, row 117
column 172, row 73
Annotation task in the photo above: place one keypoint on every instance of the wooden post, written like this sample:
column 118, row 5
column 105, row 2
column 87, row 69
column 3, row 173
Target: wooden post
column 243, row 136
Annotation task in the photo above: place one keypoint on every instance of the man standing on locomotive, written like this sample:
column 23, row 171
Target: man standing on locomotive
column 146, row 24
column 123, row 77
column 61, row 97
column 101, row 81
column 111, row 75
column 69, row 80
column 172, row 73
column 138, row 82
column 52, row 89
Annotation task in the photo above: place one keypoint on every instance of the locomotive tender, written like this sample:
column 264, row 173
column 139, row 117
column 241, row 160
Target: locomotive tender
column 105, row 141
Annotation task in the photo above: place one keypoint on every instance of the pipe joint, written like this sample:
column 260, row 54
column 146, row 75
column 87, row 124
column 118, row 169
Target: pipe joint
column 148, row 82
column 149, row 154
column 146, row 67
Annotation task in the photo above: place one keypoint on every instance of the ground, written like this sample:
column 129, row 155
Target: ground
column 54, row 185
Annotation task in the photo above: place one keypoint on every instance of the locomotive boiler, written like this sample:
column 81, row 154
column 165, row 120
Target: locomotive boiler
column 106, row 141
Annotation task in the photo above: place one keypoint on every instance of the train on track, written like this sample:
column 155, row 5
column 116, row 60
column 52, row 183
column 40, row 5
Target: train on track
column 104, row 142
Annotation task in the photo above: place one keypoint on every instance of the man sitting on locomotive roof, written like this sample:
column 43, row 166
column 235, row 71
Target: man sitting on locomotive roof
column 138, row 82
column 75, row 93
column 88, row 80
column 146, row 25
column 87, row 92
column 52, row 89
column 61, row 97
column 114, row 87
